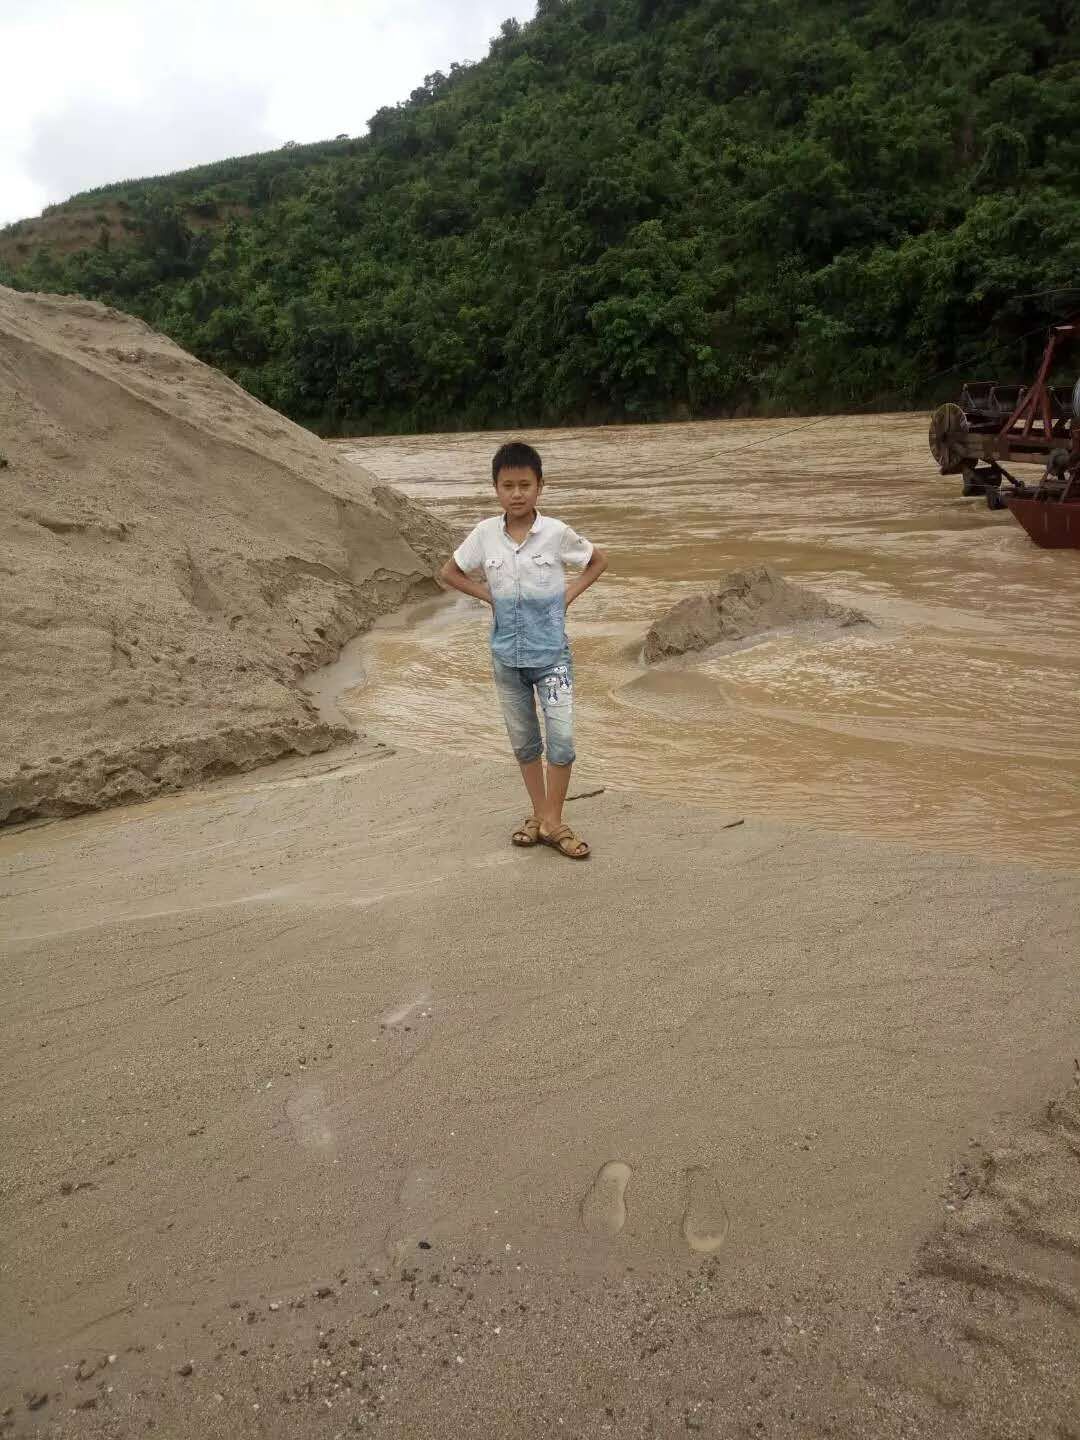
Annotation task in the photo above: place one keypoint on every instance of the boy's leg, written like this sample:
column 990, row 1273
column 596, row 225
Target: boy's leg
column 555, row 687
column 515, row 694
column 532, row 772
column 558, row 782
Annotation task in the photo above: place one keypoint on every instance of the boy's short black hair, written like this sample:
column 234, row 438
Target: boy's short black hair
column 516, row 455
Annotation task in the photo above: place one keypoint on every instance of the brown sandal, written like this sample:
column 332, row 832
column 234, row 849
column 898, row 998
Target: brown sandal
column 527, row 834
column 566, row 842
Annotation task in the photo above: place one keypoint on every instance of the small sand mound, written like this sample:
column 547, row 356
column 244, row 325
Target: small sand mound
column 175, row 557
column 747, row 603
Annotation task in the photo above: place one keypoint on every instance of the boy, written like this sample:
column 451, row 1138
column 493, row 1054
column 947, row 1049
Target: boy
column 521, row 554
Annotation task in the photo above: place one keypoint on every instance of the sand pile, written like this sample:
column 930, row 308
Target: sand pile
column 747, row 603
column 175, row 557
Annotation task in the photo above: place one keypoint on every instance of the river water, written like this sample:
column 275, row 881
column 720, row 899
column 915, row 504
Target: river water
column 953, row 721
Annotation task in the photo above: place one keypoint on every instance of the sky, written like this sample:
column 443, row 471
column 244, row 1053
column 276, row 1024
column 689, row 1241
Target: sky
column 100, row 90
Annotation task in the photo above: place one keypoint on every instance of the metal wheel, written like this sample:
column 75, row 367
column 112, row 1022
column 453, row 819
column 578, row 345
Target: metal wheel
column 948, row 425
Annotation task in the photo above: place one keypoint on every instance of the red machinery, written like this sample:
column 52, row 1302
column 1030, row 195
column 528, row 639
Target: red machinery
column 1023, row 425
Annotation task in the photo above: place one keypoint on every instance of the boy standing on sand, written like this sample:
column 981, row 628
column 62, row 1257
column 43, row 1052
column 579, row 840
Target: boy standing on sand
column 521, row 555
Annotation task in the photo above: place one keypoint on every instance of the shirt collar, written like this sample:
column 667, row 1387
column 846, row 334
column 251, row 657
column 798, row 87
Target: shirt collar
column 533, row 528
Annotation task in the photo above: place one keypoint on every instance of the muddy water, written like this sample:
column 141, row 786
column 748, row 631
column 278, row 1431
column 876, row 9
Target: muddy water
column 953, row 721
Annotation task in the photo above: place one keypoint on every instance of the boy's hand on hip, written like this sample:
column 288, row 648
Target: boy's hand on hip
column 592, row 572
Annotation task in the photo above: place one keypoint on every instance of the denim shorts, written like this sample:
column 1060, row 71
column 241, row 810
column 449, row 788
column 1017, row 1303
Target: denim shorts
column 517, row 690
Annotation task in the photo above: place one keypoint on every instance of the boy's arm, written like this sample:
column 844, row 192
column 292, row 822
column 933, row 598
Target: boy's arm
column 592, row 572
column 452, row 574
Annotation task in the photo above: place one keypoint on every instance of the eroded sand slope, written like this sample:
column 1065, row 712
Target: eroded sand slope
column 174, row 555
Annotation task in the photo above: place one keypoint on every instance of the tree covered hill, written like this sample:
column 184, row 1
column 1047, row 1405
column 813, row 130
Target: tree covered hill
column 630, row 209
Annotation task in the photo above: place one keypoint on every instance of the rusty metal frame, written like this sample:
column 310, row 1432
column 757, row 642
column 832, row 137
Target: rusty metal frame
column 1018, row 433
column 1036, row 430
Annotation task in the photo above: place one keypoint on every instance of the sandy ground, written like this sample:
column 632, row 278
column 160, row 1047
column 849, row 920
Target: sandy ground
column 326, row 1110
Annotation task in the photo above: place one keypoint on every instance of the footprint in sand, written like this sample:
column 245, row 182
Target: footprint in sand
column 705, row 1222
column 306, row 1113
column 419, row 1192
column 603, row 1210
column 407, row 1027
column 396, row 1017
column 418, row 1205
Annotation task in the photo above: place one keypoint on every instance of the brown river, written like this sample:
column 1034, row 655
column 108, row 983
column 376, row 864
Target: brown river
column 953, row 721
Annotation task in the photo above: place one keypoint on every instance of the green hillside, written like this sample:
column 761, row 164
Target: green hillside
column 630, row 209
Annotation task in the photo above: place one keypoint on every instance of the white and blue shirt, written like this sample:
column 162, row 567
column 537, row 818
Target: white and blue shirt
column 527, row 584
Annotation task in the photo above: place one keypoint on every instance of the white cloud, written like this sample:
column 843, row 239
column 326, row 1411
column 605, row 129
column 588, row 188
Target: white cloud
column 92, row 141
column 102, row 92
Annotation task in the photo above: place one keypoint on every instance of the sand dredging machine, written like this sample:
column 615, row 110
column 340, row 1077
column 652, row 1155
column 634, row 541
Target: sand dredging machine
column 997, row 426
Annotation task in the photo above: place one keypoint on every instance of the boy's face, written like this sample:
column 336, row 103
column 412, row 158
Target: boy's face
column 518, row 490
